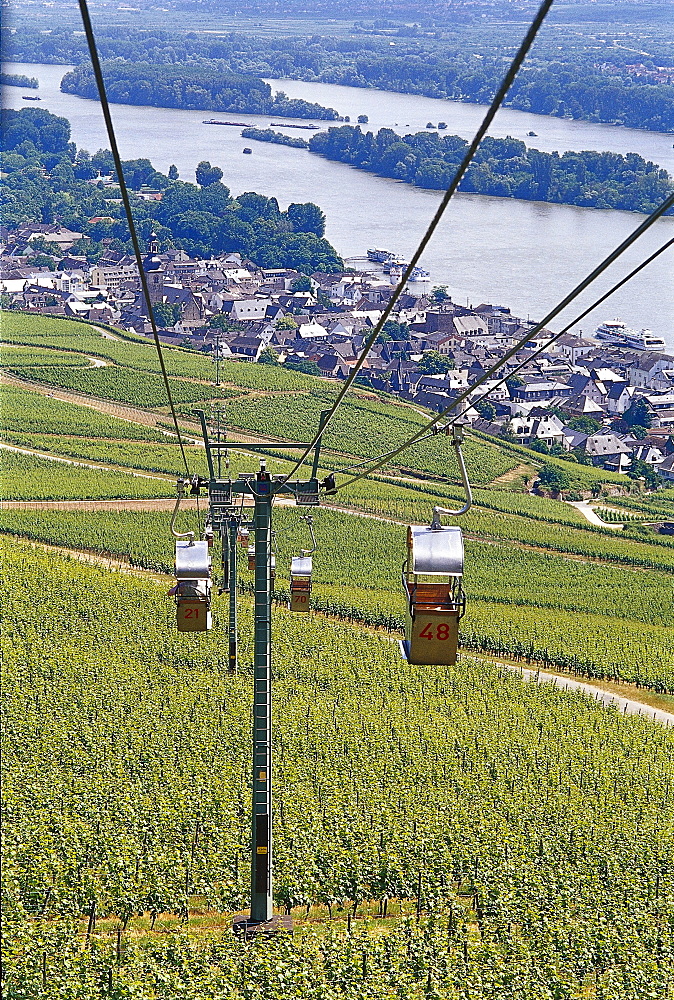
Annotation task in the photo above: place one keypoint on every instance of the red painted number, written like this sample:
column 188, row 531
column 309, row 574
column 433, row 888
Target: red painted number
column 442, row 633
column 191, row 612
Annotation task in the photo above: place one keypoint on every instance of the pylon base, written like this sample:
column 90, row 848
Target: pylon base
column 246, row 928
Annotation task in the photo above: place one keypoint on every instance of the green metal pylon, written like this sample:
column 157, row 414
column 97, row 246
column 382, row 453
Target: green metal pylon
column 232, row 530
column 261, row 902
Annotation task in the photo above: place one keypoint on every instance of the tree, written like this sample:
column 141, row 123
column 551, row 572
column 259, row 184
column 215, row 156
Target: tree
column 44, row 130
column 439, row 293
column 268, row 357
column 434, row 363
column 363, row 119
column 581, row 456
column 206, row 174
column 640, row 469
column 173, row 174
column 286, row 323
column 553, row 478
column 303, row 365
column 307, row 218
column 165, row 314
column 253, row 206
column 224, row 323
column 586, row 425
column 486, row 409
column 303, row 284
column 394, row 330
column 638, row 413
column 42, row 260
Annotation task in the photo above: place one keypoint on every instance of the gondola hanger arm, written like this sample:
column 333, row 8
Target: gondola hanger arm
column 180, row 488
column 310, row 524
column 457, row 433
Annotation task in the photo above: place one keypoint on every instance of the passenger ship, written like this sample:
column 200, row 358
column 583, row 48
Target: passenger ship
column 395, row 265
column 616, row 332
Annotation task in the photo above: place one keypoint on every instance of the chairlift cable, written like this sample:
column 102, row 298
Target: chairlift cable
column 96, row 65
column 546, row 345
column 463, row 396
column 520, row 367
column 435, row 221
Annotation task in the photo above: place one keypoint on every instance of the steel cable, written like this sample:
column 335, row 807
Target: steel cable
column 454, row 184
column 463, row 396
column 96, row 65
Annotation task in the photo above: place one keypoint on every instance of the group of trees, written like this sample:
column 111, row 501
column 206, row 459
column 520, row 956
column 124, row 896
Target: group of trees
column 505, row 168
column 207, row 88
column 271, row 135
column 576, row 79
column 18, row 80
column 45, row 179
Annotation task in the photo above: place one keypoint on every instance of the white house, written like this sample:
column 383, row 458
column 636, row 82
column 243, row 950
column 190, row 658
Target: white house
column 573, row 347
column 619, row 397
column 247, row 309
column 644, row 373
column 604, row 446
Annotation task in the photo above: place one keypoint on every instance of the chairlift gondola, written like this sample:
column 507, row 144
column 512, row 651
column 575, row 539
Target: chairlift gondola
column 192, row 589
column 193, row 586
column 432, row 582
column 432, row 579
column 301, row 568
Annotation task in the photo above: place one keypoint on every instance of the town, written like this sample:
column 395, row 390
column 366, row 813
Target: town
column 604, row 398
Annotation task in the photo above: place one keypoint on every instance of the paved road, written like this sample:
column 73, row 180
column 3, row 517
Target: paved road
column 628, row 706
column 588, row 513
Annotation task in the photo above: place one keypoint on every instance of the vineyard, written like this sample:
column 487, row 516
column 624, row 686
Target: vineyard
column 536, row 840
column 26, row 477
column 122, row 384
column 585, row 617
column 441, row 833
column 30, row 412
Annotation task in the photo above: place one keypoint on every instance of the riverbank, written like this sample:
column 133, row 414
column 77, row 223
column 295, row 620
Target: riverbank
column 486, row 249
column 504, row 168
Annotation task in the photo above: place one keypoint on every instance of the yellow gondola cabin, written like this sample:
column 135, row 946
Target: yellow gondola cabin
column 301, row 568
column 432, row 578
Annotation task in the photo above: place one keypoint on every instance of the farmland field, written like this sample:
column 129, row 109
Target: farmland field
column 537, row 795
column 521, row 836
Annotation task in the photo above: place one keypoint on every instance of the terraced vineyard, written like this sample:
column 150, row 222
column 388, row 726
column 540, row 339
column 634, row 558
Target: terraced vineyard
column 540, row 823
column 518, row 838
column 26, row 477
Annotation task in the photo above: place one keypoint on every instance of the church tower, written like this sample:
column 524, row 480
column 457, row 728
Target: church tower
column 154, row 275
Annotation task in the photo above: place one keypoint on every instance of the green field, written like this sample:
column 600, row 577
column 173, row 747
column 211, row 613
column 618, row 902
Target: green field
column 541, row 823
column 27, row 477
column 544, row 584
column 588, row 617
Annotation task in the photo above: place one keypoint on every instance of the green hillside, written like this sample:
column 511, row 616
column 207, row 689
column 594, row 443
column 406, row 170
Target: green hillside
column 540, row 823
column 544, row 585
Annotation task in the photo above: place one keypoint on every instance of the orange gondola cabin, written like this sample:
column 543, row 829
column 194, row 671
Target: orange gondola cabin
column 193, row 586
column 301, row 568
column 432, row 582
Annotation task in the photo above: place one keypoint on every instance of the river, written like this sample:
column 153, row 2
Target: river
column 525, row 255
